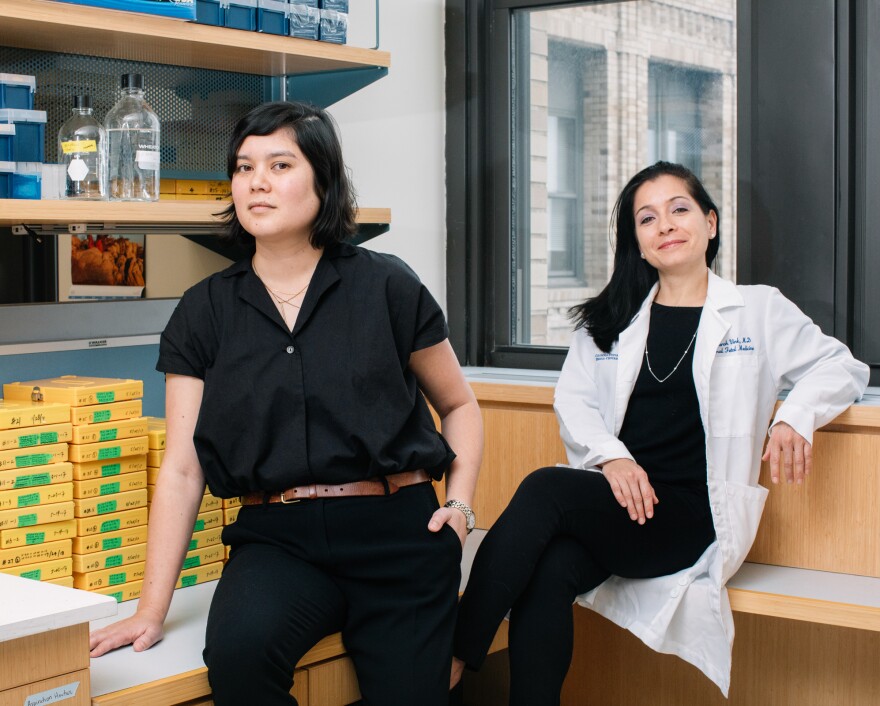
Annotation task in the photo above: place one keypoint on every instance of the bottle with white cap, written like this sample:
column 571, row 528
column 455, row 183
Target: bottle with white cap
column 82, row 150
column 133, row 138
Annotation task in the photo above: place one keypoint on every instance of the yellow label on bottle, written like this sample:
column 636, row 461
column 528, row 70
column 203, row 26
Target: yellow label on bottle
column 74, row 146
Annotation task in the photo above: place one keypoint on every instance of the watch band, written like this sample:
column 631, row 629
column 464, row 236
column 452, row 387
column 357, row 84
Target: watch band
column 470, row 518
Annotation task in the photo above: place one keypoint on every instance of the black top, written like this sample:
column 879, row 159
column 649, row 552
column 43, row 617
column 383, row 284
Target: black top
column 662, row 427
column 332, row 402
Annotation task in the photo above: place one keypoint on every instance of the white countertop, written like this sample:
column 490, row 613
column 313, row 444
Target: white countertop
column 28, row 607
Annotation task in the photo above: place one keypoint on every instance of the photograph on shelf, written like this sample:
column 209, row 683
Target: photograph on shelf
column 101, row 267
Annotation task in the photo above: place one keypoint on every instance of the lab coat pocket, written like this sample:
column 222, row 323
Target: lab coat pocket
column 733, row 395
column 745, row 504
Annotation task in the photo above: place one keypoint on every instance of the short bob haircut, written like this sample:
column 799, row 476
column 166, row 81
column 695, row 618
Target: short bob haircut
column 607, row 314
column 315, row 133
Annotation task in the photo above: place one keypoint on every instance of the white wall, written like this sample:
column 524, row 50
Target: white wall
column 393, row 133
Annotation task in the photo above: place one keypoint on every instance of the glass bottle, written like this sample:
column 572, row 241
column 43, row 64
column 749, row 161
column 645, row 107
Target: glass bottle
column 82, row 149
column 133, row 138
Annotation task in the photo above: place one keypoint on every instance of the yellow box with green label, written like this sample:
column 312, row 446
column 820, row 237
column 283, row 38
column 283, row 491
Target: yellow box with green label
column 106, row 450
column 83, row 563
column 107, row 541
column 38, row 456
column 111, row 412
column 108, row 468
column 37, row 515
column 31, row 497
column 34, row 553
column 99, row 524
column 44, row 570
column 36, row 476
column 28, row 437
column 109, row 431
column 99, row 487
column 106, row 505
column 123, row 592
column 109, row 577
column 38, row 534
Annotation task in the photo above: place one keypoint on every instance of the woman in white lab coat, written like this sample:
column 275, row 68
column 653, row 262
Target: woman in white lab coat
column 663, row 402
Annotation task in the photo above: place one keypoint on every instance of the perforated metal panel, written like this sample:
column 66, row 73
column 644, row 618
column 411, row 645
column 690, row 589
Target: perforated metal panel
column 197, row 108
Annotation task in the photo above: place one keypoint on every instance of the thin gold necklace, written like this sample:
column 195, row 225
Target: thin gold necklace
column 683, row 355
column 280, row 300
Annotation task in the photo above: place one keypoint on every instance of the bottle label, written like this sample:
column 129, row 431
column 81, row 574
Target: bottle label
column 74, row 146
column 147, row 159
column 77, row 170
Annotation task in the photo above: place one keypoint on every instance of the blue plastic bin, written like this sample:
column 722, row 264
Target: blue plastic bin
column 240, row 14
column 209, row 12
column 338, row 5
column 7, row 135
column 182, row 9
column 6, row 169
column 27, row 180
column 334, row 26
column 272, row 16
column 17, row 91
column 305, row 21
column 28, row 143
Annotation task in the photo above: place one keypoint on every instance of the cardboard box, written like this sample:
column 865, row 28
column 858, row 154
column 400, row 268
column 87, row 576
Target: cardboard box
column 104, row 450
column 76, row 390
column 96, row 561
column 38, row 456
column 100, row 524
column 38, row 534
column 36, row 476
column 109, row 469
column 99, row 487
column 109, row 541
column 111, row 412
column 104, row 578
column 119, row 502
column 44, row 570
column 39, row 515
column 109, row 431
column 35, row 553
column 35, row 436
column 23, row 498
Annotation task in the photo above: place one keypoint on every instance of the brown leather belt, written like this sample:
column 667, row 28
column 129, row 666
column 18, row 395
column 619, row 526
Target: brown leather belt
column 387, row 485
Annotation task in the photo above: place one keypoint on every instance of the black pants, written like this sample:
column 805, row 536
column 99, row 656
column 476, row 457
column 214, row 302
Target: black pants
column 366, row 566
column 563, row 534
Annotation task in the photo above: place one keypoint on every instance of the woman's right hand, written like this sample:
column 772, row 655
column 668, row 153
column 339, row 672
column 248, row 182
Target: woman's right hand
column 142, row 630
column 630, row 486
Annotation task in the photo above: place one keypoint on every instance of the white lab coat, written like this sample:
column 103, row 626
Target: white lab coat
column 751, row 344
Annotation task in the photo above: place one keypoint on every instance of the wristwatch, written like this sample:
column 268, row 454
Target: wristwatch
column 470, row 518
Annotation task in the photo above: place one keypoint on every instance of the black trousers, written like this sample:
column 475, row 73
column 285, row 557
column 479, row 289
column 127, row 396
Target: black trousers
column 366, row 566
column 562, row 534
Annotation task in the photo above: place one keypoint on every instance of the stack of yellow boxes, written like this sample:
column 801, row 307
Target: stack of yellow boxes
column 36, row 491
column 193, row 190
column 108, row 461
column 204, row 559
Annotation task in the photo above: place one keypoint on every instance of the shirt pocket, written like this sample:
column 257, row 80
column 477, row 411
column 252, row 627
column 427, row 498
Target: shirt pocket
column 733, row 395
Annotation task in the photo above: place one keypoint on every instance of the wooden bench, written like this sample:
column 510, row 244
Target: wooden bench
column 806, row 604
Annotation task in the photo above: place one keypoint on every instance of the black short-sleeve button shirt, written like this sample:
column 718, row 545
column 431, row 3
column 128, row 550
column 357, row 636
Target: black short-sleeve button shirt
column 332, row 402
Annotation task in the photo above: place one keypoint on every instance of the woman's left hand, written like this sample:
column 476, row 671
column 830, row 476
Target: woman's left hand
column 790, row 451
column 452, row 517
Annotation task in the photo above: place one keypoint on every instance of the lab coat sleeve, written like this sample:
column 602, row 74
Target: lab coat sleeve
column 585, row 433
column 820, row 372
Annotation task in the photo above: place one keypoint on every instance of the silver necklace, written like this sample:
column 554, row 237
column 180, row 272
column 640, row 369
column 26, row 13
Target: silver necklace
column 648, row 360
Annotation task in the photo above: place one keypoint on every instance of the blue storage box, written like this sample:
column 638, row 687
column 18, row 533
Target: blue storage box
column 338, row 5
column 6, row 169
column 334, row 26
column 28, row 142
column 305, row 21
column 209, row 12
column 7, row 134
column 181, row 9
column 272, row 16
column 240, row 14
column 17, row 91
column 27, row 180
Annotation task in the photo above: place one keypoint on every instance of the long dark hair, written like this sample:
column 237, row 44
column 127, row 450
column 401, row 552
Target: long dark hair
column 607, row 314
column 315, row 133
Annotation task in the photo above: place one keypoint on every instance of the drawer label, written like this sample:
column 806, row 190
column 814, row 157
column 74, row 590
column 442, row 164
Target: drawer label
column 54, row 695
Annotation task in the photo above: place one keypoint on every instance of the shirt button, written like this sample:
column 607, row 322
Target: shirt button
column 674, row 593
column 290, row 349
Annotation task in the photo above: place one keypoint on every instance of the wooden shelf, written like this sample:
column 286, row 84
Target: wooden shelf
column 160, row 213
column 47, row 26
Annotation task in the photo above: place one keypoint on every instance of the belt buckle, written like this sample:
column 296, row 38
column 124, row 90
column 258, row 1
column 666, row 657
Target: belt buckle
column 289, row 502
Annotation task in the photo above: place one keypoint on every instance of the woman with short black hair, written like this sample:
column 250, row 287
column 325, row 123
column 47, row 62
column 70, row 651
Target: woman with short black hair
column 294, row 379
